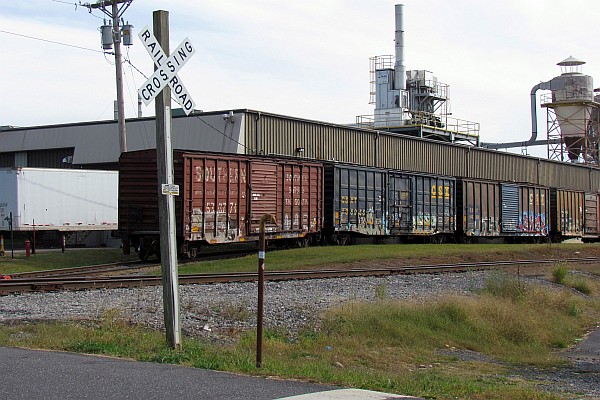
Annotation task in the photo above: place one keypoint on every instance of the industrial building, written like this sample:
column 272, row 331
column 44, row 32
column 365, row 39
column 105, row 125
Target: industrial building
column 410, row 130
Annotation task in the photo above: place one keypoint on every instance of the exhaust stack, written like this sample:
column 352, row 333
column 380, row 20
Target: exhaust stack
column 399, row 67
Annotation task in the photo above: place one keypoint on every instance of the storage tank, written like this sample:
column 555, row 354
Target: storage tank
column 572, row 93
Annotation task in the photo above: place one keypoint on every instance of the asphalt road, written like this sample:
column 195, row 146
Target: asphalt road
column 37, row 375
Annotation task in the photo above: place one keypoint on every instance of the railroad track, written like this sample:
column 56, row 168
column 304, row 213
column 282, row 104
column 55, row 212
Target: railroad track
column 40, row 284
column 112, row 268
column 89, row 270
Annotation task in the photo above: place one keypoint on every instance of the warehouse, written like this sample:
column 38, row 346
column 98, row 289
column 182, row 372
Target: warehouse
column 95, row 145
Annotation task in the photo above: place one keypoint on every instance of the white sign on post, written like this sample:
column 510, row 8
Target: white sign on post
column 166, row 72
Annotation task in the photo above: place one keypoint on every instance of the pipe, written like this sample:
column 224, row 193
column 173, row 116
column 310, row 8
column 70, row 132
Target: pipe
column 543, row 86
column 553, row 84
column 399, row 68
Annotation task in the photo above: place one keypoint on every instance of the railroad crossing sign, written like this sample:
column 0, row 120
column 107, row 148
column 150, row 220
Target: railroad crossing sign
column 166, row 72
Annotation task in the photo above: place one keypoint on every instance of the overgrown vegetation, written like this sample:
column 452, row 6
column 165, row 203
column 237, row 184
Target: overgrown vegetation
column 414, row 347
column 561, row 275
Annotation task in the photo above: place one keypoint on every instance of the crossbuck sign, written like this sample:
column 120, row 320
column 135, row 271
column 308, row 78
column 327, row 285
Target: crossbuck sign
column 166, row 71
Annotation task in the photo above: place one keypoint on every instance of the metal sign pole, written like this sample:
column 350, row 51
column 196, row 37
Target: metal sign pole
column 261, row 285
column 12, row 241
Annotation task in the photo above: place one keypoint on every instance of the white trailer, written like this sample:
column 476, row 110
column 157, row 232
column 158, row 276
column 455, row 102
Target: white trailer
column 64, row 200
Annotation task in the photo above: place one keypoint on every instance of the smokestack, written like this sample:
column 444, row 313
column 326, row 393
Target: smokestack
column 400, row 68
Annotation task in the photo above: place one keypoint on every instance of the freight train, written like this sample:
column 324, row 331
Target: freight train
column 223, row 196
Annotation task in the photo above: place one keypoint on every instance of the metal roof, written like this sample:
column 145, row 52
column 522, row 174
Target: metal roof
column 98, row 142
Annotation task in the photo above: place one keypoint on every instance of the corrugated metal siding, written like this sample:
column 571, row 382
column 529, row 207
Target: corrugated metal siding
column 215, row 198
column 356, row 199
column 567, row 208
column 408, row 154
column 478, row 208
column 510, row 208
column 52, row 158
column 592, row 220
column 139, row 191
column 7, row 160
column 273, row 134
column 300, row 197
column 433, row 205
column 534, row 210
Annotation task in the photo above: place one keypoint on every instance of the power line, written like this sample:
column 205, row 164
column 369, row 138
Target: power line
column 53, row 42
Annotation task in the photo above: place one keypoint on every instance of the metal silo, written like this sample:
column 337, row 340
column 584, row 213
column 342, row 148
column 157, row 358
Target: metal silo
column 572, row 115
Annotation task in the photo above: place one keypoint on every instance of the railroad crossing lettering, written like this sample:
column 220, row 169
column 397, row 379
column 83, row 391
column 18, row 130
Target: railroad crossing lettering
column 166, row 72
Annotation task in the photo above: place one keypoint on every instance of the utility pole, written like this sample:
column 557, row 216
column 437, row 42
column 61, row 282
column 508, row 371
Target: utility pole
column 114, row 9
column 166, row 202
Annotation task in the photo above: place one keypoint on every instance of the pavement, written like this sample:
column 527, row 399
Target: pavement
column 49, row 375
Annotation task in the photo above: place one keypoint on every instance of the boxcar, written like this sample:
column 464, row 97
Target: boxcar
column 492, row 209
column 355, row 202
column 567, row 212
column 222, row 199
column 478, row 209
column 525, row 210
column 421, row 205
column 377, row 203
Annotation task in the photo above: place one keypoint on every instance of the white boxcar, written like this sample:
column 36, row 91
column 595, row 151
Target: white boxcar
column 65, row 200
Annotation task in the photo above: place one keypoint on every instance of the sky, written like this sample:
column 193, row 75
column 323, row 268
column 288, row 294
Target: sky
column 303, row 58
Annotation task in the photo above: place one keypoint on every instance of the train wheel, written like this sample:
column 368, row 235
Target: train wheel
column 302, row 242
column 143, row 252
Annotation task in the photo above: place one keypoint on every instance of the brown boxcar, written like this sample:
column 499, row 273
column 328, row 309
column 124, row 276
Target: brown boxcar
column 492, row 209
column 222, row 199
column 567, row 209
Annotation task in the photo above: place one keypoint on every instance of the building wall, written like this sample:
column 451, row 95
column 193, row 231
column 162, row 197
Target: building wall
column 275, row 134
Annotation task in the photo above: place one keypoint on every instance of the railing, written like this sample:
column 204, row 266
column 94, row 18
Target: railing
column 443, row 123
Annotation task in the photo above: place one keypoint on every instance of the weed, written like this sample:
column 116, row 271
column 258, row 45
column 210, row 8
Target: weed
column 505, row 286
column 559, row 274
column 381, row 292
column 581, row 285
column 235, row 311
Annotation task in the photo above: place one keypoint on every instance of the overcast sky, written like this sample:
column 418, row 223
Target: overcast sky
column 301, row 58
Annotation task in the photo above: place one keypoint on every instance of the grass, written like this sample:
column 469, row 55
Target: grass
column 562, row 276
column 409, row 347
column 405, row 253
column 43, row 260
column 313, row 257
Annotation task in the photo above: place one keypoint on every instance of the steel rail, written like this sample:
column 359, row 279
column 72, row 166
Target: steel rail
column 118, row 267
column 79, row 271
column 89, row 282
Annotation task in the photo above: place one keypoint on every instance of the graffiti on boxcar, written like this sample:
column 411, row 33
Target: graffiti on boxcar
column 530, row 222
column 213, row 224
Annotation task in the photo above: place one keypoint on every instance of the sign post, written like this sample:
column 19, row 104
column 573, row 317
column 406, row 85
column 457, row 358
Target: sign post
column 159, row 86
column 262, row 246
